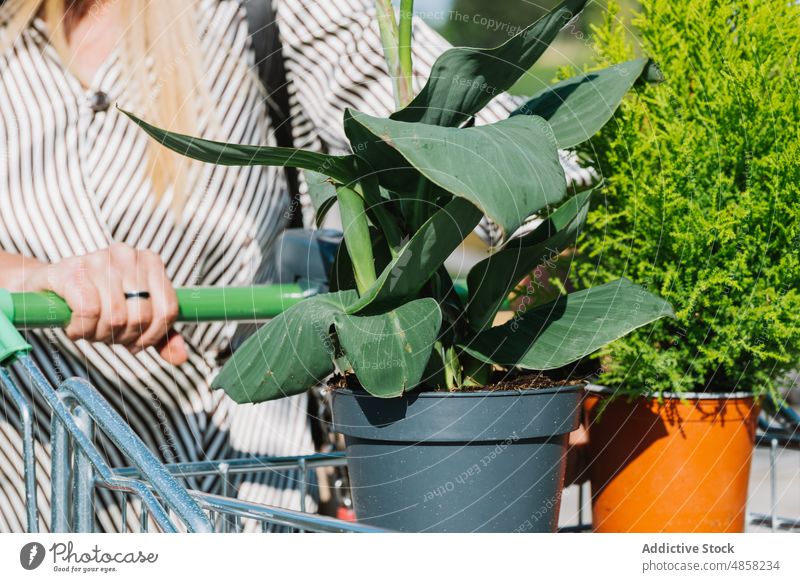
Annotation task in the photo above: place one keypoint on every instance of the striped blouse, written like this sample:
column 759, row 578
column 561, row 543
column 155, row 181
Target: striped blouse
column 74, row 178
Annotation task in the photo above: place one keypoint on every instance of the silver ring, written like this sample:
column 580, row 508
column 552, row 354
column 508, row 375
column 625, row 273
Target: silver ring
column 137, row 295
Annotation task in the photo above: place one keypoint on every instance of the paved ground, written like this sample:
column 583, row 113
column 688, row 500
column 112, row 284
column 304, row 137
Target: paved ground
column 787, row 490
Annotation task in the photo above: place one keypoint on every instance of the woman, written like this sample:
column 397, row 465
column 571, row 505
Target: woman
column 93, row 210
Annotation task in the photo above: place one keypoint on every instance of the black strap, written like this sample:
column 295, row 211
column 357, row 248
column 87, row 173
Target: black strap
column 269, row 60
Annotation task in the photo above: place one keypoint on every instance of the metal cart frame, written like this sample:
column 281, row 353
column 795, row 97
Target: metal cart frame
column 78, row 410
column 78, row 468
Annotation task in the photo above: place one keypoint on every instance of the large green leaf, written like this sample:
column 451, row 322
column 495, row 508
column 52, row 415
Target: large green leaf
column 557, row 220
column 490, row 281
column 288, row 355
column 464, row 80
column 509, row 169
column 420, row 257
column 579, row 107
column 341, row 168
column 389, row 352
column 389, row 167
column 569, row 328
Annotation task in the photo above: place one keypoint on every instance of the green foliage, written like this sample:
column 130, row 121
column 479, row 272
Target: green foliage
column 702, row 204
column 388, row 352
column 573, row 326
column 486, row 165
column 422, row 181
column 572, row 108
column 421, row 257
column 464, row 80
column 495, row 277
column 295, row 352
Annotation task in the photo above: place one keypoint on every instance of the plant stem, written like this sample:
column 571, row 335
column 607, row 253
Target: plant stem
column 397, row 47
column 390, row 38
column 356, row 237
column 452, row 369
column 476, row 373
column 404, row 50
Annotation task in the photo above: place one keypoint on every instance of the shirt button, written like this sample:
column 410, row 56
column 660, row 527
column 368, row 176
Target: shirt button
column 100, row 102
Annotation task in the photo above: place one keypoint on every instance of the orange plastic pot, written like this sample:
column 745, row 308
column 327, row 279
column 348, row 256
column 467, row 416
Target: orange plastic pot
column 676, row 466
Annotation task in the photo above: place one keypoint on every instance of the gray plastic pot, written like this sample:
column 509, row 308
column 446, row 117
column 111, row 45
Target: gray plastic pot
column 458, row 462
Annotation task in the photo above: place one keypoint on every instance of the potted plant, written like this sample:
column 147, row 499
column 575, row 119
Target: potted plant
column 444, row 431
column 700, row 206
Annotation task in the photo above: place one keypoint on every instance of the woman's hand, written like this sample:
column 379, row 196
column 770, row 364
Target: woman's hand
column 94, row 287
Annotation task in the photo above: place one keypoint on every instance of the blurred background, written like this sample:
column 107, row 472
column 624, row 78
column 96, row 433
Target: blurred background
column 489, row 23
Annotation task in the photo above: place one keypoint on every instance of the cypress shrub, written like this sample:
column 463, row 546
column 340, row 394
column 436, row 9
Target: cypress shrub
column 702, row 196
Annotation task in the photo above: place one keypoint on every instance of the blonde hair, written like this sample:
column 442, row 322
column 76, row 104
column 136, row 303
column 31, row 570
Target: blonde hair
column 171, row 93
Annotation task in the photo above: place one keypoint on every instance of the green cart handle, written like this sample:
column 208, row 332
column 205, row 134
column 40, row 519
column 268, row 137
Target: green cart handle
column 196, row 305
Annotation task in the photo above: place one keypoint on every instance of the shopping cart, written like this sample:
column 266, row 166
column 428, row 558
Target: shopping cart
column 78, row 410
column 778, row 432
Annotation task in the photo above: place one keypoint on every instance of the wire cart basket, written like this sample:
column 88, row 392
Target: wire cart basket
column 78, row 410
column 167, row 504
